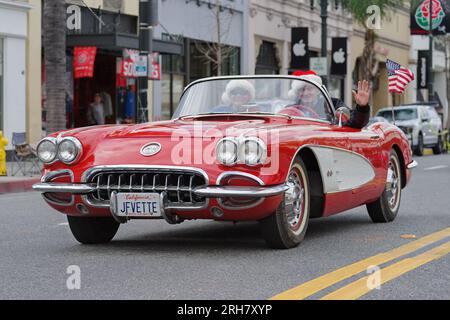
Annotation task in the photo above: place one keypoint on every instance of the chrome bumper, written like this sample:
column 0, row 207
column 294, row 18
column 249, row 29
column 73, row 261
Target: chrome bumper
column 206, row 192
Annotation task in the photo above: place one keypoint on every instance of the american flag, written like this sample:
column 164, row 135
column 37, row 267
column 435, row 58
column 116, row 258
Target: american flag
column 399, row 77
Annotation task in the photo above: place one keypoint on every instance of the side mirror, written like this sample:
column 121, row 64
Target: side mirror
column 342, row 115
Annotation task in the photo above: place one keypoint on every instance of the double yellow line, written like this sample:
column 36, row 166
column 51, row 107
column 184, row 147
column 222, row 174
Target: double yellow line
column 359, row 287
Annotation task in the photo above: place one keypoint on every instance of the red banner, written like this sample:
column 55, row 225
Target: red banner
column 83, row 62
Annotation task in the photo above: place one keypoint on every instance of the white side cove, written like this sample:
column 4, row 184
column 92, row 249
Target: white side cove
column 342, row 170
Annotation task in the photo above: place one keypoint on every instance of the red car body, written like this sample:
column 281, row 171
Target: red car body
column 119, row 147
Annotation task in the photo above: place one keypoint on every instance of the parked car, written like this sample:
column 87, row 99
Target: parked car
column 376, row 119
column 222, row 158
column 421, row 123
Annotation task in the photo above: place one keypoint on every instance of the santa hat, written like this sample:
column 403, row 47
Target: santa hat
column 310, row 76
column 238, row 84
column 297, row 85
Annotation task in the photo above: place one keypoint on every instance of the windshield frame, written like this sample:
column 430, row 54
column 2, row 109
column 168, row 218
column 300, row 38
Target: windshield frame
column 322, row 89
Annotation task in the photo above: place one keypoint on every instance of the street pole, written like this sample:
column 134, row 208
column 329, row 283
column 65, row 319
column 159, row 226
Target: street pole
column 145, row 47
column 430, row 67
column 324, row 16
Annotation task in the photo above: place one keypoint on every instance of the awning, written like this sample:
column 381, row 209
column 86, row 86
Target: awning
column 119, row 41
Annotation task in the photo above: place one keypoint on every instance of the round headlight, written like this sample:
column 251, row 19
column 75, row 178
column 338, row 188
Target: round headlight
column 69, row 150
column 253, row 152
column 47, row 150
column 227, row 152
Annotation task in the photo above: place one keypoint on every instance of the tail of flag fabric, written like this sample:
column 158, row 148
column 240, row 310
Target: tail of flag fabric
column 399, row 77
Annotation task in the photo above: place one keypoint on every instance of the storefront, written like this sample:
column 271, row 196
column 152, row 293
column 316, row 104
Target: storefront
column 193, row 25
column 13, row 34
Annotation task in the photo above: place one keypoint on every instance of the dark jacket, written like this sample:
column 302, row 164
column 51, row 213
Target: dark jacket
column 359, row 117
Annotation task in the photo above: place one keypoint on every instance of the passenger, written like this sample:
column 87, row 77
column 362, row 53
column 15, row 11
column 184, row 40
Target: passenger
column 237, row 96
column 359, row 117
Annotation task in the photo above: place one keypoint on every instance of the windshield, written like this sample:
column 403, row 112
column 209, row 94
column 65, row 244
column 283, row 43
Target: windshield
column 400, row 115
column 292, row 97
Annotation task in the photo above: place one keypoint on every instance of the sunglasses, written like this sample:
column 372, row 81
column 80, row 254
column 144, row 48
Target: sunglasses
column 239, row 92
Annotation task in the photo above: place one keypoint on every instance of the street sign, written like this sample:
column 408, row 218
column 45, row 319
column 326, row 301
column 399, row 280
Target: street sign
column 319, row 66
column 422, row 69
column 141, row 66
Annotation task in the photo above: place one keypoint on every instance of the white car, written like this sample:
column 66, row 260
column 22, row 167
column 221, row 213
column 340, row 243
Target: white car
column 420, row 122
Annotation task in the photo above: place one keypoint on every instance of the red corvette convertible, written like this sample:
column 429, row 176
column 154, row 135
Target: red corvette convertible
column 263, row 148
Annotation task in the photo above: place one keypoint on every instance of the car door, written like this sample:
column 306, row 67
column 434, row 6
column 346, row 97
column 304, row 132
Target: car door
column 435, row 124
column 426, row 127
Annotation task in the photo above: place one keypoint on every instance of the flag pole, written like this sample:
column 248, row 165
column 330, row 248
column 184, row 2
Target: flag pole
column 431, row 78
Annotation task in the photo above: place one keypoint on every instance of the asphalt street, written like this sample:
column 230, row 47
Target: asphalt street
column 211, row 260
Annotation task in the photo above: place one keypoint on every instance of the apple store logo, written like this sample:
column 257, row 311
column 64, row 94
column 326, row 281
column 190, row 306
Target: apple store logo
column 339, row 56
column 299, row 49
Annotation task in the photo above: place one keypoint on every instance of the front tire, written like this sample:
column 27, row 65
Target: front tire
column 386, row 208
column 286, row 228
column 93, row 230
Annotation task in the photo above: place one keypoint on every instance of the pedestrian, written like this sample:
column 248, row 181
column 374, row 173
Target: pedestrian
column 96, row 111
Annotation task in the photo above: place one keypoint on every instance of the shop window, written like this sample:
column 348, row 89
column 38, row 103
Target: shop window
column 1, row 84
column 172, row 84
column 202, row 67
column 267, row 61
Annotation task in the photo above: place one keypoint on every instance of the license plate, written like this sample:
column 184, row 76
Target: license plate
column 136, row 205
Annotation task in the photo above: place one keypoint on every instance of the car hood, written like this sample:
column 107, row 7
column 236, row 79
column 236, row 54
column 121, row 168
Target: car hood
column 225, row 126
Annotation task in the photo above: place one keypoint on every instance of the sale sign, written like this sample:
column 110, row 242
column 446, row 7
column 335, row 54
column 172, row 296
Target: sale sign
column 155, row 66
column 83, row 62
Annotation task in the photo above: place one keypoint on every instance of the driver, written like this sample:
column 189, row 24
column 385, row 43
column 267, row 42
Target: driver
column 238, row 94
column 307, row 97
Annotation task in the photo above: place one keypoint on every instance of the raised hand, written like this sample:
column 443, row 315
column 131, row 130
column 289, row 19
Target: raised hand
column 362, row 96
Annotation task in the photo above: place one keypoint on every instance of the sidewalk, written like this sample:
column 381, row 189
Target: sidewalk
column 17, row 184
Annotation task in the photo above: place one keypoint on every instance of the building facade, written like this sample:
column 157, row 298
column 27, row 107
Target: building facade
column 13, row 50
column 269, row 37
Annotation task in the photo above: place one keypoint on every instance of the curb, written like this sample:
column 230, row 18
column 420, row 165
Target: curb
column 17, row 186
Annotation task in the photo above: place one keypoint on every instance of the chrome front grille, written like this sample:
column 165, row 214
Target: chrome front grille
column 177, row 184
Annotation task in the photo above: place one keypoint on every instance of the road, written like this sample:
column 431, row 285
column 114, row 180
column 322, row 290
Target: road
column 211, row 260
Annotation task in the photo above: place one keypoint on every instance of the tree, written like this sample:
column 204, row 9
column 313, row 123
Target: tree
column 217, row 52
column 368, row 66
column 54, row 30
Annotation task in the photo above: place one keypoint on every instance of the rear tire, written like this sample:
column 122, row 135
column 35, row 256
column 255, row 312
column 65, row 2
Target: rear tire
column 286, row 228
column 439, row 147
column 420, row 146
column 386, row 208
column 93, row 230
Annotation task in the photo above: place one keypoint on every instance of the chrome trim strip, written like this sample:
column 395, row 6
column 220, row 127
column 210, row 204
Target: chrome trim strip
column 238, row 173
column 312, row 146
column 241, row 192
column 412, row 165
column 64, row 188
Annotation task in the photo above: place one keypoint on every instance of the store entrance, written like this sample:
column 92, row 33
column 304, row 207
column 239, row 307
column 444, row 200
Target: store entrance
column 85, row 89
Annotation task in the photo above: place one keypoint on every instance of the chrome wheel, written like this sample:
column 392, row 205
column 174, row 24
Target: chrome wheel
column 295, row 200
column 393, row 184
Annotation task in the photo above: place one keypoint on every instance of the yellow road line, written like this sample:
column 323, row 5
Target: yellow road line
column 311, row 287
column 359, row 287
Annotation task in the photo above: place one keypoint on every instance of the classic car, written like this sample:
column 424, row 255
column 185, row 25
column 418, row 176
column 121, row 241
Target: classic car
column 270, row 149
